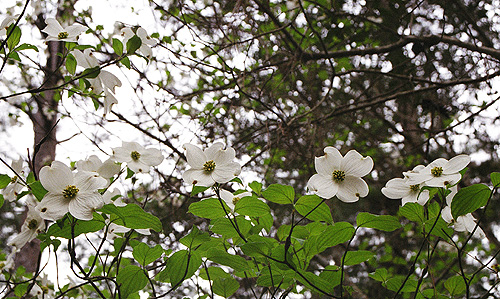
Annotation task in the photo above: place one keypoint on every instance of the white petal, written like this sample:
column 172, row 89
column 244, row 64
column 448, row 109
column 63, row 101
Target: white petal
column 87, row 181
column 75, row 29
column 91, row 164
column 334, row 156
column 213, row 151
column 108, row 169
column 138, row 166
column 198, row 177
column 356, row 165
column 22, row 238
column 223, row 156
column 446, row 214
column 84, row 204
column 56, row 177
column 195, row 156
column 152, row 157
column 351, row 189
column 53, row 206
column 109, row 101
column 225, row 173
column 396, row 188
column 325, row 165
column 423, row 197
column 53, row 27
column 456, row 164
column 146, row 50
column 228, row 198
column 443, row 180
column 323, row 186
column 109, row 80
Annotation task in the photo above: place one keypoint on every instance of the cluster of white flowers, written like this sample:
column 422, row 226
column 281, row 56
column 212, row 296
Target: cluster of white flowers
column 440, row 173
column 78, row 193
column 105, row 82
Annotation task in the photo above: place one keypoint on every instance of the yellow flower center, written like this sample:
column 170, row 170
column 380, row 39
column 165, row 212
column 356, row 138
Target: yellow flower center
column 32, row 224
column 135, row 155
column 437, row 171
column 338, row 175
column 235, row 200
column 209, row 166
column 62, row 35
column 415, row 188
column 13, row 179
column 70, row 192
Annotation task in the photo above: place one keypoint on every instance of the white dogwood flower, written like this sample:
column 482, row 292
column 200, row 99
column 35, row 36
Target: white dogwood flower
column 440, row 172
column 6, row 24
column 16, row 185
column 76, row 193
column 340, row 176
column 231, row 199
column 56, row 32
column 104, row 83
column 138, row 158
column 32, row 226
column 399, row 188
column 106, row 169
column 210, row 166
column 146, row 41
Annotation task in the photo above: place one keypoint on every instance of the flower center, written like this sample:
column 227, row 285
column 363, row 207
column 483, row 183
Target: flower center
column 135, row 155
column 62, row 35
column 437, row 171
column 209, row 166
column 235, row 200
column 70, row 192
column 13, row 179
column 415, row 188
column 32, row 224
column 338, row 175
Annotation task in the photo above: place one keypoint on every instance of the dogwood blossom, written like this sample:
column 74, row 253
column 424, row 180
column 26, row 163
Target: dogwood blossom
column 16, row 185
column 32, row 226
column 106, row 169
column 462, row 223
column 340, row 176
column 212, row 165
column 56, row 32
column 138, row 158
column 231, row 199
column 104, row 83
column 76, row 193
column 6, row 24
column 146, row 41
column 399, row 188
column 440, row 172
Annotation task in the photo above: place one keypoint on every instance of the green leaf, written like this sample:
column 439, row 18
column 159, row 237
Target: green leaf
column 455, row 285
column 222, row 257
column 38, row 190
column 333, row 235
column 315, row 280
column 495, row 178
column 131, row 279
column 180, row 266
column 2, row 200
column 256, row 187
column 469, row 199
column 91, row 73
column 225, row 286
column 380, row 274
column 223, row 226
column 357, row 257
column 386, row 223
column 194, row 238
column 413, row 212
column 198, row 189
column 145, row 255
column 307, row 203
column 130, row 172
column 133, row 216
column 126, row 62
column 14, row 38
column 208, row 208
column 213, row 273
column 133, row 44
column 251, row 206
column 4, row 181
column 26, row 47
column 71, row 63
column 280, row 194
column 118, row 47
column 441, row 228
column 62, row 228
